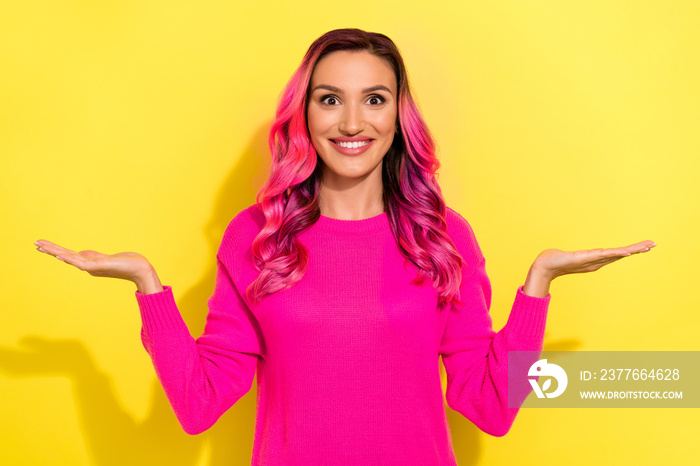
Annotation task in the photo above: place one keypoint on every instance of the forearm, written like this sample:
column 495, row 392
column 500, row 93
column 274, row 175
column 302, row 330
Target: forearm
column 476, row 357
column 196, row 389
column 202, row 378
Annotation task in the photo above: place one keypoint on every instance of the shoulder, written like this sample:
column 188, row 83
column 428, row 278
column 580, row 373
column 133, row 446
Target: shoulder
column 243, row 228
column 462, row 235
column 249, row 219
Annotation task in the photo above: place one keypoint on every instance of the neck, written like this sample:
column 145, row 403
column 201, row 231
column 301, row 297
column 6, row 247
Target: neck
column 351, row 198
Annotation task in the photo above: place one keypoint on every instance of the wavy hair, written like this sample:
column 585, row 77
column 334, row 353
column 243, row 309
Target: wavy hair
column 412, row 198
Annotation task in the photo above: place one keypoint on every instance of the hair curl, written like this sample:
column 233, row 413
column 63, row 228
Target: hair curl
column 412, row 198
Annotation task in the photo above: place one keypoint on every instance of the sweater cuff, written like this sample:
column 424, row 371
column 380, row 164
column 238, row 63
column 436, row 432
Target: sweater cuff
column 529, row 315
column 159, row 311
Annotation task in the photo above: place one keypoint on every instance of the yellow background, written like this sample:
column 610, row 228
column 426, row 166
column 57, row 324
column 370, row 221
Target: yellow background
column 141, row 126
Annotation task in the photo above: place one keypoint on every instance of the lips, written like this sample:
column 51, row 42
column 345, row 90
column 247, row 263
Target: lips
column 351, row 146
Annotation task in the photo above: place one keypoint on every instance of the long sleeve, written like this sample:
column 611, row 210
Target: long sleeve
column 202, row 378
column 474, row 355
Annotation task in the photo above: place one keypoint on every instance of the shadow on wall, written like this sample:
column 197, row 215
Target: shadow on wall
column 113, row 437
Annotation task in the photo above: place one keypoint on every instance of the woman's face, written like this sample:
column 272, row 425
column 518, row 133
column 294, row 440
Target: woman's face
column 351, row 114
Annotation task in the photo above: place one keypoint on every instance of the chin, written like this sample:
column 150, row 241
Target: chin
column 349, row 174
column 352, row 173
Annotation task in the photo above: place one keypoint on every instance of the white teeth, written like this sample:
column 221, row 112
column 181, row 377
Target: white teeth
column 353, row 145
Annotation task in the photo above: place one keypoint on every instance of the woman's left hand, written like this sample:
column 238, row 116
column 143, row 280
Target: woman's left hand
column 553, row 263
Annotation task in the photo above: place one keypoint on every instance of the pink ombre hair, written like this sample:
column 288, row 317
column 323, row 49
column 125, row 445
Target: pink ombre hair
column 412, row 198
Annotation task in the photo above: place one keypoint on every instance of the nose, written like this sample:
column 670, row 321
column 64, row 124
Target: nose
column 352, row 120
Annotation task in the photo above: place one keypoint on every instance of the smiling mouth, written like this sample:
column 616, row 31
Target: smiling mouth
column 352, row 147
column 352, row 144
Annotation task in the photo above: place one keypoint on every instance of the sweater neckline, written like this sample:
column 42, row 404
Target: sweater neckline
column 378, row 223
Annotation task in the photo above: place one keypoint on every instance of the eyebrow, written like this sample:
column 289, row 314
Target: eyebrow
column 364, row 91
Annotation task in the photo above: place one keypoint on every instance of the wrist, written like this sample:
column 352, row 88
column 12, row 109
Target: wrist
column 147, row 282
column 537, row 282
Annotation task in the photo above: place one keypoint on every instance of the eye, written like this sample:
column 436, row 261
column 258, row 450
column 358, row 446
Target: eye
column 375, row 100
column 329, row 100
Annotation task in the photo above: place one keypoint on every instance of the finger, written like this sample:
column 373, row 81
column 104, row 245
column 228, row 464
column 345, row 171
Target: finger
column 596, row 264
column 78, row 261
column 607, row 261
column 593, row 266
column 642, row 246
column 617, row 252
column 53, row 249
column 50, row 252
column 603, row 260
column 600, row 253
column 90, row 253
column 593, row 255
column 636, row 248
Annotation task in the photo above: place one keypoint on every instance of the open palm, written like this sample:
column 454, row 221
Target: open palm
column 555, row 262
column 125, row 265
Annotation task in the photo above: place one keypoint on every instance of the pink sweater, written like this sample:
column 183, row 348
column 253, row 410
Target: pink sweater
column 346, row 359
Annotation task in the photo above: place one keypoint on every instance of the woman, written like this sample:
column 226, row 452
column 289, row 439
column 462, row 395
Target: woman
column 344, row 284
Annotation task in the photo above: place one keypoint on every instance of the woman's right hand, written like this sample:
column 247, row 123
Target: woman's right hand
column 130, row 266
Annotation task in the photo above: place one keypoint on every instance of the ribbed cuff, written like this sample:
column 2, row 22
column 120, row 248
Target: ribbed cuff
column 159, row 311
column 528, row 317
